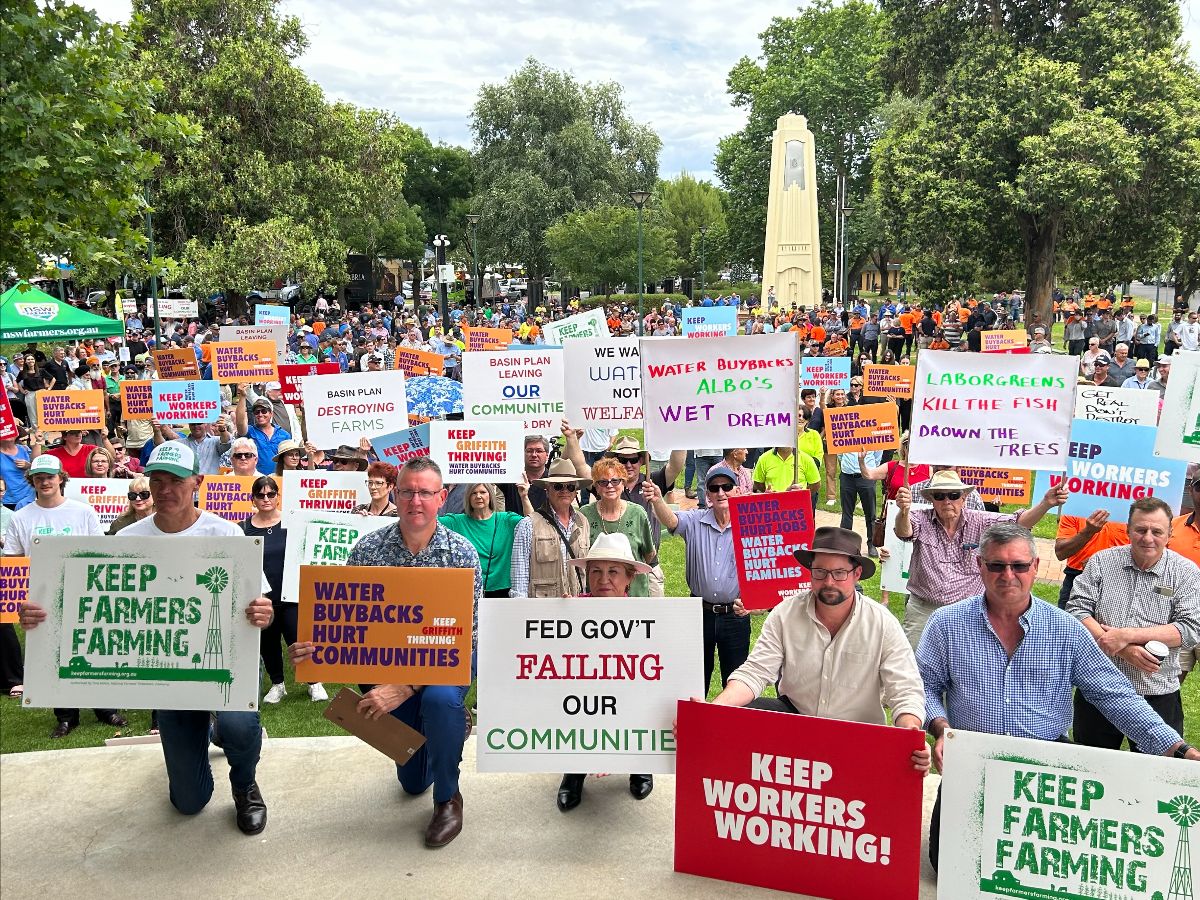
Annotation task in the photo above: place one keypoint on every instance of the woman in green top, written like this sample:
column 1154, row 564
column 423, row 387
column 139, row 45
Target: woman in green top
column 612, row 515
column 490, row 532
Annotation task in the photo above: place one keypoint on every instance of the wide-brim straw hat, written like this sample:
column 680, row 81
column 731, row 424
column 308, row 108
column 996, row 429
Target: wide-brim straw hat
column 561, row 470
column 612, row 548
column 946, row 480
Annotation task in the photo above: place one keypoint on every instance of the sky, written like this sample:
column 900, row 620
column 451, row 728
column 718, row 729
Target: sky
column 425, row 63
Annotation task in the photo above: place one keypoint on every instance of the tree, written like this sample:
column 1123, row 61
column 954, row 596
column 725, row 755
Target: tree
column 547, row 145
column 72, row 123
column 686, row 204
column 245, row 257
column 599, row 246
column 437, row 178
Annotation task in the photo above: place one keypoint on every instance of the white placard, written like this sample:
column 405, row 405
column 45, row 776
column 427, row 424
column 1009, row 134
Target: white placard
column 515, row 385
column 590, row 324
column 1179, row 428
column 236, row 334
column 712, row 392
column 557, row 677
column 893, row 571
column 321, row 539
column 144, row 623
column 478, row 450
column 109, row 497
column 603, row 382
column 1124, row 406
column 320, row 490
column 176, row 308
column 340, row 409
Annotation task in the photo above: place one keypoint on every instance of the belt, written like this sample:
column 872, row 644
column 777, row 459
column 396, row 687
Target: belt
column 719, row 609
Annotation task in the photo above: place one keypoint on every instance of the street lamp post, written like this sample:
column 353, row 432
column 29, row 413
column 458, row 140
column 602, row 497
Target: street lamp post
column 703, row 270
column 440, row 243
column 639, row 199
column 473, row 221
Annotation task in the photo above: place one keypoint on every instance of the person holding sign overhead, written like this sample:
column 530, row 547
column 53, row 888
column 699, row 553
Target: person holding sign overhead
column 266, row 435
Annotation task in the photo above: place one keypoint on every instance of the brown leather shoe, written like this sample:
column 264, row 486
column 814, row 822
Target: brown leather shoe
column 446, row 823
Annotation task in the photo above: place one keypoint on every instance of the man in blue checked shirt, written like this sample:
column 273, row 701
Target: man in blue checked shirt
column 1005, row 663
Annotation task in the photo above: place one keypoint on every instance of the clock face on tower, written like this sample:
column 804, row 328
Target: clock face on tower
column 793, row 164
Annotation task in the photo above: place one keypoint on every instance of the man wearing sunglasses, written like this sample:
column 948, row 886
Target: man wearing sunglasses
column 266, row 435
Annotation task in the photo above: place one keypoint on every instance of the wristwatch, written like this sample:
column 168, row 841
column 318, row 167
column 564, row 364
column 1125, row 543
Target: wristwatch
column 1182, row 750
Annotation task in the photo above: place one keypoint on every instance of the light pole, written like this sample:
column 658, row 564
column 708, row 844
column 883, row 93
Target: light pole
column 440, row 243
column 703, row 270
column 473, row 221
column 639, row 199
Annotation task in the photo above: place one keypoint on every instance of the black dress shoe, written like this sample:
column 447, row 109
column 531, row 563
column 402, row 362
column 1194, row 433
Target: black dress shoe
column 62, row 729
column 251, row 810
column 641, row 786
column 116, row 720
column 570, row 792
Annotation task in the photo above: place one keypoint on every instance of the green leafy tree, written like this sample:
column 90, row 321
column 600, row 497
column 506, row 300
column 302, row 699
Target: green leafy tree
column 438, row 179
column 599, row 246
column 686, row 204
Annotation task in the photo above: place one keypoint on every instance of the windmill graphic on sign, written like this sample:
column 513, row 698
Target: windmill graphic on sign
column 1184, row 812
column 216, row 580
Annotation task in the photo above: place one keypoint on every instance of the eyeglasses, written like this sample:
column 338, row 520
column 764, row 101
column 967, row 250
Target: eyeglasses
column 999, row 567
column 946, row 495
column 413, row 495
column 820, row 574
column 376, row 482
column 563, row 488
column 266, row 495
column 609, row 482
column 245, row 456
column 724, row 486
column 139, row 495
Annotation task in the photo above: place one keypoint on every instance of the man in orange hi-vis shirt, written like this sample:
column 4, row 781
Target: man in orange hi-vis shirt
column 907, row 321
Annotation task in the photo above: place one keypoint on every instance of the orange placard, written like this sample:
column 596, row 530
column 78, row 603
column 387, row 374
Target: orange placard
column 863, row 428
column 177, row 365
column 419, row 362
column 228, row 496
column 999, row 485
column 70, row 410
column 137, row 400
column 384, row 625
column 244, row 361
column 487, row 338
column 1005, row 341
column 14, row 586
column 889, row 381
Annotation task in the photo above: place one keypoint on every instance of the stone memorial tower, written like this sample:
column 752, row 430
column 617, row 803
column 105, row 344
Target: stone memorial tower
column 793, row 247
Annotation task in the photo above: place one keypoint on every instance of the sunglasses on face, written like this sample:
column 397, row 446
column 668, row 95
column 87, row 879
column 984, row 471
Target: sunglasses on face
column 563, row 488
column 628, row 460
column 946, row 495
column 243, row 456
column 999, row 567
column 609, row 482
column 718, row 488
column 266, row 495
column 139, row 495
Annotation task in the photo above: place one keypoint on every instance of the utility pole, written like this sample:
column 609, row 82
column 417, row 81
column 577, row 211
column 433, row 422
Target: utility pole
column 153, row 275
column 440, row 243
column 639, row 199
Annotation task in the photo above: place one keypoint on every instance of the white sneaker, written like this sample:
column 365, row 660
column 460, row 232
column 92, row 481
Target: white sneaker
column 316, row 692
column 275, row 694
column 830, row 503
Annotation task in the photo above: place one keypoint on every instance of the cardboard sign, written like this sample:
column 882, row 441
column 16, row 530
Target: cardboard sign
column 999, row 485
column 1179, row 427
column 384, row 625
column 993, row 410
column 8, row 422
column 177, row 365
column 767, row 531
column 321, row 539
column 1110, row 466
column 14, row 587
column 419, row 362
column 228, row 496
column 1012, row 341
column 137, row 401
column 1026, row 818
column 526, row 386
column 69, row 410
column 323, row 491
column 825, row 373
column 178, row 308
column 796, row 803
column 893, row 571
column 267, row 314
column 478, row 450
column 238, row 334
column 862, row 428
column 144, row 623
column 289, row 379
column 109, row 497
column 387, row 734
column 1125, row 406
column 181, row 402
column 709, row 321
column 340, row 409
column 590, row 324
column 487, row 338
column 889, row 381
column 585, row 686
column 603, row 383
column 400, row 446
column 696, row 392
column 249, row 361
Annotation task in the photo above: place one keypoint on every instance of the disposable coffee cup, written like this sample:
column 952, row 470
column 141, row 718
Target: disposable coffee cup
column 1158, row 650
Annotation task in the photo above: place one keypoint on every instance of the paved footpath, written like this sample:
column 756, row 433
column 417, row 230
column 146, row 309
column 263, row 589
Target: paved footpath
column 96, row 823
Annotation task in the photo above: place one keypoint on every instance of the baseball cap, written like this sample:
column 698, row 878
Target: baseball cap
column 272, row 386
column 174, row 458
column 263, row 402
column 720, row 472
column 46, row 464
column 1103, row 360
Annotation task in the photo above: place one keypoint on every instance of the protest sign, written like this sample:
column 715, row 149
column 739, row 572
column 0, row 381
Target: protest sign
column 603, row 383
column 289, row 379
column 144, row 623
column 178, row 308
column 400, row 446
column 321, row 539
column 107, row 496
column 516, row 385
column 993, row 410
column 825, row 373
column 419, row 362
column 767, row 530
column 843, row 821
column 323, row 491
column 709, row 321
column 249, row 361
column 228, row 496
column 1125, row 406
column 1109, row 466
column 862, row 428
column 478, row 450
column 999, row 485
column 237, row 334
column 487, row 338
column 385, row 625
column 1014, row 340
column 893, row 571
column 8, row 422
column 1026, row 818
column 14, row 586
column 268, row 314
column 137, row 401
column 585, row 686
column 697, row 391
column 69, row 410
column 1179, row 428
column 340, row 409
column 590, row 324
column 889, row 381
column 181, row 402
column 177, row 365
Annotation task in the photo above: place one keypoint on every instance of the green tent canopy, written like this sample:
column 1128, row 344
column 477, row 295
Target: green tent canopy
column 28, row 314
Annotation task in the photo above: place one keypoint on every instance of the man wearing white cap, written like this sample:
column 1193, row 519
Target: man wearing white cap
column 1164, row 372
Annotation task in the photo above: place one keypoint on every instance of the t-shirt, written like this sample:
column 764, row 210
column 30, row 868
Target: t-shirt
column 208, row 525
column 69, row 518
column 492, row 538
column 75, row 466
column 18, row 491
column 777, row 473
column 1111, row 534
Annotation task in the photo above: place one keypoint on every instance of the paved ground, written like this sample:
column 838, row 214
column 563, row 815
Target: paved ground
column 97, row 823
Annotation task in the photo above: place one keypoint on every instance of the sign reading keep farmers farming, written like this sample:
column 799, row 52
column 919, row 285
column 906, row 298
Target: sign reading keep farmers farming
column 767, row 531
column 590, row 324
column 321, row 539
column 709, row 321
column 585, row 686
column 400, row 446
column 14, row 586
column 518, row 385
column 695, row 392
column 862, row 428
column 825, row 373
column 323, row 491
column 181, row 402
column 1036, row 819
column 69, row 410
column 250, row 361
column 179, row 364
column 340, row 409
column 993, row 409
column 478, row 450
column 137, row 400
column 603, row 383
column 144, row 623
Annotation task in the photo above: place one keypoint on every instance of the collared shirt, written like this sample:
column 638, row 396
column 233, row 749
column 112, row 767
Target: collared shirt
column 778, row 474
column 1137, row 384
column 709, row 566
column 848, row 462
column 852, row 676
column 445, row 550
column 208, row 453
column 943, row 568
column 972, row 499
column 971, row 682
column 267, row 446
column 1115, row 592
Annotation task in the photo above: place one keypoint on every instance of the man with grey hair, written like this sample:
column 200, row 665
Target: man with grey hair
column 1121, row 368
column 242, row 456
column 537, row 466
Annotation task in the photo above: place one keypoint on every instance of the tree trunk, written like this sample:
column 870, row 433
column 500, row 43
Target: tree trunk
column 1186, row 275
column 1041, row 245
column 880, row 257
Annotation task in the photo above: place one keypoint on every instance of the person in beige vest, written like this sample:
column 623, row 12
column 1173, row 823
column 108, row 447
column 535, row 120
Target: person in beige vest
column 546, row 542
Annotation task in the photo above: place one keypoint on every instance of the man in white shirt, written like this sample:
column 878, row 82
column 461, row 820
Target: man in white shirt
column 1189, row 334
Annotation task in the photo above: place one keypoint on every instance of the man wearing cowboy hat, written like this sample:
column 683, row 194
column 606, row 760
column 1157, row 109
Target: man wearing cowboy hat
column 558, row 531
column 348, row 459
column 945, row 543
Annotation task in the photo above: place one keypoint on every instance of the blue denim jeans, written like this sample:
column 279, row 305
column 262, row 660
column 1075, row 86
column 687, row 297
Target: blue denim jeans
column 185, row 736
column 437, row 712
